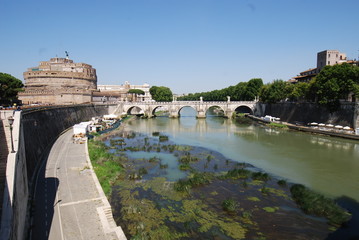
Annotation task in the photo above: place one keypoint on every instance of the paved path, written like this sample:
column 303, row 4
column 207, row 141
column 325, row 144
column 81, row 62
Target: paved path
column 70, row 203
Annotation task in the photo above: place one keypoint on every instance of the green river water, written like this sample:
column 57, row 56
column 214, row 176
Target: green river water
column 326, row 164
column 146, row 206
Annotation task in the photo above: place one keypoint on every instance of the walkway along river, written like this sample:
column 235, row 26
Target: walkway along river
column 327, row 165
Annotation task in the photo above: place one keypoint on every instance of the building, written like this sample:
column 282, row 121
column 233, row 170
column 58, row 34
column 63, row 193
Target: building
column 114, row 93
column 305, row 76
column 329, row 57
column 324, row 58
column 59, row 81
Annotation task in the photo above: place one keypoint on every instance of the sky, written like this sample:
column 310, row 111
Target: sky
column 187, row 45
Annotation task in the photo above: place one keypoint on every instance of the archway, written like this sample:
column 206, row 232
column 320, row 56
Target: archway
column 187, row 111
column 135, row 111
column 244, row 110
column 160, row 111
column 214, row 111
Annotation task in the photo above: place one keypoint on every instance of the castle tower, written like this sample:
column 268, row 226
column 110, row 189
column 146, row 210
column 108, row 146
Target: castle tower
column 59, row 81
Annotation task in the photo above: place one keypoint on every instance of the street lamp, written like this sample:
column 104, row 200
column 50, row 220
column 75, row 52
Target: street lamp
column 11, row 121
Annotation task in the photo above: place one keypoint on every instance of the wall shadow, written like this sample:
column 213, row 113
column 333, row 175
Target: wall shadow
column 43, row 207
column 4, row 152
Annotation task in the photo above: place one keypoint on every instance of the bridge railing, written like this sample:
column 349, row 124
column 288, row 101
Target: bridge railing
column 191, row 103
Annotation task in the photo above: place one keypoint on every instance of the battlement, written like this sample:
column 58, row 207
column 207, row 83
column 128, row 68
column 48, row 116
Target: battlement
column 58, row 74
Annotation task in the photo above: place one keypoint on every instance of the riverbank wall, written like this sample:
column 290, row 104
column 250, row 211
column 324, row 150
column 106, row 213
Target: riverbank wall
column 347, row 115
column 34, row 132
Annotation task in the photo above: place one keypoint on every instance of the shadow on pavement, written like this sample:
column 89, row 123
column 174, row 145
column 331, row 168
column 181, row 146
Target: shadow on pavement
column 43, row 210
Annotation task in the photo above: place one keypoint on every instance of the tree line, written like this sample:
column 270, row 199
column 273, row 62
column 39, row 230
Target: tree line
column 331, row 85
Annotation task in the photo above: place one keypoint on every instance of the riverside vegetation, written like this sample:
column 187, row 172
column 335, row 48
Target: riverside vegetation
column 160, row 190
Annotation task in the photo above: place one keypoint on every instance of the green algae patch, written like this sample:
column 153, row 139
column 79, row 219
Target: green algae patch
column 270, row 209
column 254, row 199
column 207, row 220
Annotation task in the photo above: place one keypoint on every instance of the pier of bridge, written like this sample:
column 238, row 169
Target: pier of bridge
column 174, row 108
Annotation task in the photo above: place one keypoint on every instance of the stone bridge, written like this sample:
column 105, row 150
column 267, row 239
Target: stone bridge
column 174, row 108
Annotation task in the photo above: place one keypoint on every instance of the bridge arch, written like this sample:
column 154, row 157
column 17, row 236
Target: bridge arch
column 219, row 108
column 129, row 110
column 179, row 108
column 153, row 110
column 243, row 109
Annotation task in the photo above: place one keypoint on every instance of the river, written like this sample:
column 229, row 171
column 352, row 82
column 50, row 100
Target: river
column 325, row 164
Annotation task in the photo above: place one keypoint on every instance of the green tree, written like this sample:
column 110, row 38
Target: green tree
column 298, row 91
column 9, row 87
column 136, row 91
column 239, row 92
column 252, row 89
column 161, row 94
column 273, row 92
column 334, row 83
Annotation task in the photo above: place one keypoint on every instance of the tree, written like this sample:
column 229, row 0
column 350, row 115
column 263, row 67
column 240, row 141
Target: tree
column 298, row 91
column 273, row 92
column 252, row 89
column 334, row 83
column 161, row 94
column 136, row 91
column 9, row 87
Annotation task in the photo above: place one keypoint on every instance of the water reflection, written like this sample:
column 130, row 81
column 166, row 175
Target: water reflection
column 326, row 164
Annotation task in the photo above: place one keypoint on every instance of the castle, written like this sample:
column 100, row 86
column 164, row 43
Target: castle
column 59, row 81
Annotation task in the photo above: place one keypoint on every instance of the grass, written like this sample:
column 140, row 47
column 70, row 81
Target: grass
column 277, row 125
column 316, row 204
column 260, row 176
column 163, row 138
column 197, row 179
column 230, row 205
column 187, row 158
column 237, row 174
column 184, row 167
column 107, row 166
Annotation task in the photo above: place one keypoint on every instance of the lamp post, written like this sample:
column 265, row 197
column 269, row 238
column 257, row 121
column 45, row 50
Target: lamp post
column 11, row 121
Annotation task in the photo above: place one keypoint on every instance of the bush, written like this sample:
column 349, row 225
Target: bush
column 282, row 183
column 260, row 176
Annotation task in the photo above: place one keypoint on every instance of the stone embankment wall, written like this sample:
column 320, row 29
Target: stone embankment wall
column 305, row 113
column 34, row 133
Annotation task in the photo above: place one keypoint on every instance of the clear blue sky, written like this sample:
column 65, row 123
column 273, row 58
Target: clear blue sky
column 187, row 45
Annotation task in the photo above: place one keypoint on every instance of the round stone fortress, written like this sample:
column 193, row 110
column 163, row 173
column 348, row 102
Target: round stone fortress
column 59, row 81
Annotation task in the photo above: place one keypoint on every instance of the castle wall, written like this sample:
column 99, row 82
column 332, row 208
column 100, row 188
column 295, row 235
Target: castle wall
column 310, row 112
column 34, row 133
column 59, row 81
